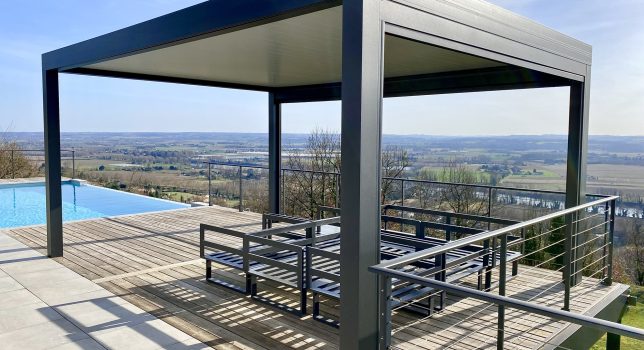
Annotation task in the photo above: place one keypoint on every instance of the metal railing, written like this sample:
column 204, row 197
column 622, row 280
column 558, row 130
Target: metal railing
column 28, row 153
column 584, row 237
column 329, row 188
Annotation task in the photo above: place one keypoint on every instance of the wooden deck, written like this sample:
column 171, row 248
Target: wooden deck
column 152, row 260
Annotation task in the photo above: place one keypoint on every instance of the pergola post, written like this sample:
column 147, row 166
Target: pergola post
column 576, row 164
column 362, row 47
column 274, row 152
column 52, row 164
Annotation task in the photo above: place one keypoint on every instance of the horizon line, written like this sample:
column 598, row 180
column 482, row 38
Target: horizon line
column 297, row 133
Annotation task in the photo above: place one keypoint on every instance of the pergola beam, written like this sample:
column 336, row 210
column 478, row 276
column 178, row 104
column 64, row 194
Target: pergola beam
column 474, row 80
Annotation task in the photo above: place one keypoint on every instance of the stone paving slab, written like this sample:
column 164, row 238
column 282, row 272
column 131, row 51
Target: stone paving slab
column 44, row 305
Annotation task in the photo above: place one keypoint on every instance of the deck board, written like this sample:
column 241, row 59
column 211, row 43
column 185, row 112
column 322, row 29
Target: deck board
column 152, row 260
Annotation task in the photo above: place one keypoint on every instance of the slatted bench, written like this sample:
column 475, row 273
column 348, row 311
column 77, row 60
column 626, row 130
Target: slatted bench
column 323, row 272
column 275, row 254
column 323, row 267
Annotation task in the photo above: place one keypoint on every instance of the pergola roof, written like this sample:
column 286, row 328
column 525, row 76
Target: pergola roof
column 265, row 45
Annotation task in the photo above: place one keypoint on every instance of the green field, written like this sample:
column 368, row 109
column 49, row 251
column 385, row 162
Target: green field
column 634, row 316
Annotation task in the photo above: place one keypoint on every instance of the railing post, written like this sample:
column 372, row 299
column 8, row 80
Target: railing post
column 606, row 234
column 611, row 231
column 568, row 259
column 241, row 191
column 487, row 264
column 73, row 163
column 489, row 205
column 337, row 190
column 323, row 188
column 13, row 169
column 448, row 231
column 503, row 255
column 209, row 186
column 402, row 203
column 311, row 199
column 384, row 306
column 283, row 197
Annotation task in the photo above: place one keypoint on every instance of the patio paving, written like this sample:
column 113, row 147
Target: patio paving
column 44, row 305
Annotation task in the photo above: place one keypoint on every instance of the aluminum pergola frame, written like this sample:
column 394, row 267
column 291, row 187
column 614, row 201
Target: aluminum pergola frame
column 538, row 57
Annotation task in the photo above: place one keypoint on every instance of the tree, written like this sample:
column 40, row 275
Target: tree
column 629, row 259
column 555, row 242
column 14, row 162
column 459, row 198
column 395, row 160
column 315, row 178
column 306, row 187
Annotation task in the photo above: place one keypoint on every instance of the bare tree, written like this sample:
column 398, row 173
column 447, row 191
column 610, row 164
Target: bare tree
column 395, row 160
column 460, row 198
column 629, row 259
column 313, row 181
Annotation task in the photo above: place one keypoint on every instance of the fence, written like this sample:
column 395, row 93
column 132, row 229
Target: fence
column 322, row 188
column 35, row 156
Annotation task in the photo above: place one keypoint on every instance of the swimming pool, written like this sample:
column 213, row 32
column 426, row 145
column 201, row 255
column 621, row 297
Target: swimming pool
column 24, row 204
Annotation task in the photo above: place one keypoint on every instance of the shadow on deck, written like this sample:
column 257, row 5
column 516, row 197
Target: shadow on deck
column 152, row 260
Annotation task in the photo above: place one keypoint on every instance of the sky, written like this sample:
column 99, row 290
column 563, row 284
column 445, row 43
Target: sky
column 29, row 28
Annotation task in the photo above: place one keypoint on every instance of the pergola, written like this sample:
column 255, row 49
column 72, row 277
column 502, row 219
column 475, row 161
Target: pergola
column 356, row 51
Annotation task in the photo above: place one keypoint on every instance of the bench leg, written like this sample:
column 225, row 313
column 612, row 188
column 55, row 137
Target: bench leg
column 303, row 298
column 316, row 305
column 443, row 300
column 208, row 269
column 431, row 304
column 251, row 285
column 515, row 268
column 479, row 282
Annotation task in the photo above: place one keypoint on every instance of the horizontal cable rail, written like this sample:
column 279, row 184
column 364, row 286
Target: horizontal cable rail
column 558, row 259
column 404, row 260
column 582, row 320
column 326, row 186
column 14, row 151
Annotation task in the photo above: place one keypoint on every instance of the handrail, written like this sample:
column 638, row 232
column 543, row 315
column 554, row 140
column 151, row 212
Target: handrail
column 298, row 226
column 568, row 316
column 487, row 187
column 406, row 259
column 14, row 150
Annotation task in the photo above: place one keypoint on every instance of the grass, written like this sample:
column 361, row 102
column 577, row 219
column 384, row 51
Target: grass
column 634, row 316
column 179, row 196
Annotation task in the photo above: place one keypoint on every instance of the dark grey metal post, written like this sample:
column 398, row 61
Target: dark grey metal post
column 13, row 167
column 489, row 206
column 241, row 191
column 52, row 164
column 503, row 255
column 73, row 164
column 362, row 55
column 384, row 304
column 209, row 185
column 274, row 153
column 576, row 163
column 611, row 233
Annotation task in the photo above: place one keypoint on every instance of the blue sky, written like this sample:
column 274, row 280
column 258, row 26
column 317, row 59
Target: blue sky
column 30, row 27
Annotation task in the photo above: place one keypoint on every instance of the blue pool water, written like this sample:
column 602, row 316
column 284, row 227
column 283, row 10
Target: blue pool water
column 24, row 204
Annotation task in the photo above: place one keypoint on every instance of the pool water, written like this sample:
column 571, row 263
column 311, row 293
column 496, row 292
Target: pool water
column 24, row 204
